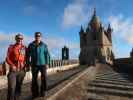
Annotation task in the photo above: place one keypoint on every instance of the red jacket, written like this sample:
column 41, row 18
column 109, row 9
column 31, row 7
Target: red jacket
column 16, row 56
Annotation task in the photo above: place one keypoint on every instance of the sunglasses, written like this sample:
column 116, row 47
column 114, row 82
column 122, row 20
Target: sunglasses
column 38, row 36
column 19, row 38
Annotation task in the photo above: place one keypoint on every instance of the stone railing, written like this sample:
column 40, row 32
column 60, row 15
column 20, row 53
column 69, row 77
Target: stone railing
column 54, row 63
column 54, row 67
column 57, row 63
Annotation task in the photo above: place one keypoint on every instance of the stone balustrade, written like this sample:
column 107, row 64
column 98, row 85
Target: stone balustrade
column 54, row 63
column 57, row 63
column 54, row 67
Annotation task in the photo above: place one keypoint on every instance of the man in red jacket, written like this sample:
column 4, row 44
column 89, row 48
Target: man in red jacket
column 16, row 58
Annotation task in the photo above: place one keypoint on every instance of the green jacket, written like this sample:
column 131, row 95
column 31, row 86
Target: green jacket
column 38, row 55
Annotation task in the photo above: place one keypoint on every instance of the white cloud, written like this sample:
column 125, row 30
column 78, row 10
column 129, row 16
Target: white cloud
column 53, row 42
column 122, row 35
column 59, row 42
column 75, row 13
column 123, row 28
column 6, row 39
column 10, row 37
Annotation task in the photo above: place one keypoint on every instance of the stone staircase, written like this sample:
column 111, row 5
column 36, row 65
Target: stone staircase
column 110, row 85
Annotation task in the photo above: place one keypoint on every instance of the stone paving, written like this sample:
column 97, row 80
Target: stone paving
column 98, row 82
column 106, row 84
column 28, row 76
column 53, row 80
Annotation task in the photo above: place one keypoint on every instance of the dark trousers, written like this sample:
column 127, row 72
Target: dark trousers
column 35, row 87
column 15, row 80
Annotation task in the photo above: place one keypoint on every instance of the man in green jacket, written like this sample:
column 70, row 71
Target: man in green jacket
column 38, row 58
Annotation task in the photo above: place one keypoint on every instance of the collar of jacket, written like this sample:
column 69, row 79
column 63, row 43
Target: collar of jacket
column 41, row 43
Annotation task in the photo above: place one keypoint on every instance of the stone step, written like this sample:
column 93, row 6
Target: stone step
column 104, row 74
column 96, row 96
column 119, row 80
column 109, row 83
column 112, row 86
column 106, row 91
column 113, row 74
column 113, row 78
column 93, row 96
column 116, row 77
column 113, row 82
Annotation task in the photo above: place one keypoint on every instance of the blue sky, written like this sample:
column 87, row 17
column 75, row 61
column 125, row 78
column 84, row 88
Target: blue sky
column 60, row 21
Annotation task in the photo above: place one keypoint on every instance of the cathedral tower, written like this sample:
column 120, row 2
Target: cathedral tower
column 95, row 42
